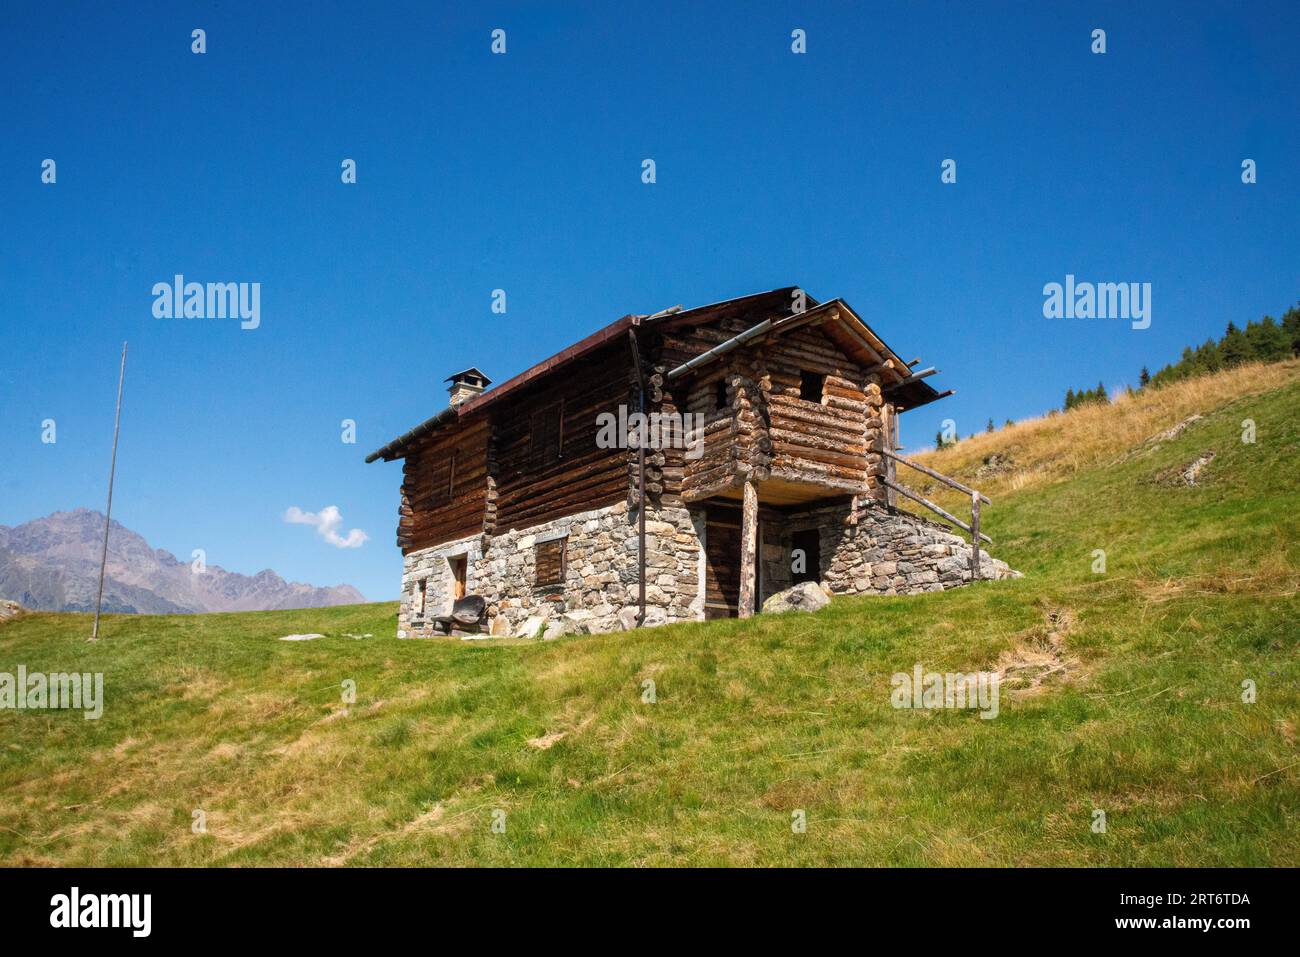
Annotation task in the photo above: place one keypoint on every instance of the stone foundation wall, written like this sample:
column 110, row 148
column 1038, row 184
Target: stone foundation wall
column 885, row 552
column 599, row 592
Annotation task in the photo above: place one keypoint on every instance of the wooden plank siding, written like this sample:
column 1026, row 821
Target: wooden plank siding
column 504, row 477
column 444, row 486
column 574, row 475
column 721, row 562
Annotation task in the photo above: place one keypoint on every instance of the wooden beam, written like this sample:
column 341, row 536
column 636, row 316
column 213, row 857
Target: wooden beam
column 923, row 374
column 975, row 537
column 904, row 490
column 748, row 549
column 936, row 475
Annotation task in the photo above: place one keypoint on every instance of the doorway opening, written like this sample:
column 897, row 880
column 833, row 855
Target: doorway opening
column 458, row 573
column 806, row 556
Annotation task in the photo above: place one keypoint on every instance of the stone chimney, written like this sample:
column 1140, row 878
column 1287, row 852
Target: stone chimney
column 466, row 385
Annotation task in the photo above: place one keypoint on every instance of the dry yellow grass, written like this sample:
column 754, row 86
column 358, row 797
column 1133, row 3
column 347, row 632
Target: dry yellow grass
column 1055, row 447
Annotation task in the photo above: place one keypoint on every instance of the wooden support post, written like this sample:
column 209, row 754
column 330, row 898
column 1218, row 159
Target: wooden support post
column 974, row 536
column 748, row 549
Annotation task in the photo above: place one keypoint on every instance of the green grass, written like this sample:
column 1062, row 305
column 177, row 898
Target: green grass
column 753, row 720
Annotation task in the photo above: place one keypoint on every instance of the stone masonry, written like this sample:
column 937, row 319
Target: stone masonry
column 875, row 550
column 600, row 591
column 871, row 549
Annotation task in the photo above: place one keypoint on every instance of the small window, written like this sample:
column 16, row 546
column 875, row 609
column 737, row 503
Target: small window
column 549, row 558
column 417, row 606
column 720, row 394
column 810, row 386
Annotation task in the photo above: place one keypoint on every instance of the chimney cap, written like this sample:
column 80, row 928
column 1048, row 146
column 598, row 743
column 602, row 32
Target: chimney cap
column 470, row 376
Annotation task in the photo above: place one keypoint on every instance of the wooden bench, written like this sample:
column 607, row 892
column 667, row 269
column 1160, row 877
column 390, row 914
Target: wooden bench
column 467, row 614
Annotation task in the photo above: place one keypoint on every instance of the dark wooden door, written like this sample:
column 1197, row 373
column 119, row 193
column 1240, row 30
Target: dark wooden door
column 721, row 562
column 458, row 570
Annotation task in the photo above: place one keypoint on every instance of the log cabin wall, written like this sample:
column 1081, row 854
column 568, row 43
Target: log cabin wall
column 767, row 427
column 727, row 393
column 666, row 464
column 725, row 451
column 547, row 463
column 674, row 346
column 529, row 459
column 724, row 455
column 824, row 439
column 444, row 487
column 876, row 439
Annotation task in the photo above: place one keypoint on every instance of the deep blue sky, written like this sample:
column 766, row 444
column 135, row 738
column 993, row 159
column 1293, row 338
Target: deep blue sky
column 522, row 172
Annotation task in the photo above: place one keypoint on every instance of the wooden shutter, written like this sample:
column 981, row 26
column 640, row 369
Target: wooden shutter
column 545, row 438
column 549, row 558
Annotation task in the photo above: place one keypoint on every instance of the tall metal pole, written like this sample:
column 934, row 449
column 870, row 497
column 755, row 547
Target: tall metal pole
column 108, row 511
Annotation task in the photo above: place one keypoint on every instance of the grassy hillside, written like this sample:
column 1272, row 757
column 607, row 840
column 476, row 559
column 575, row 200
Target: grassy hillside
column 1128, row 700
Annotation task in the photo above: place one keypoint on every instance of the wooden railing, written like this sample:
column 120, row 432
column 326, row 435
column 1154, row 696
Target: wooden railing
column 973, row 529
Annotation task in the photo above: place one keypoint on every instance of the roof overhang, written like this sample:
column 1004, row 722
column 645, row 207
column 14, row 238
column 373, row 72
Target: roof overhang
column 843, row 325
column 836, row 317
column 399, row 446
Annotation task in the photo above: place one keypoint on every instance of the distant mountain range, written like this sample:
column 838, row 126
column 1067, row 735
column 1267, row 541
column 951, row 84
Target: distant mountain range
column 52, row 564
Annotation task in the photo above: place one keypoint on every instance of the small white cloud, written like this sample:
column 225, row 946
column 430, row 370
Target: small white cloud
column 327, row 523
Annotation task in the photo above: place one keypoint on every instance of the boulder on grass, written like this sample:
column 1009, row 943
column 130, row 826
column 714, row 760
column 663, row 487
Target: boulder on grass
column 531, row 626
column 10, row 609
column 653, row 617
column 806, row 596
column 576, row 622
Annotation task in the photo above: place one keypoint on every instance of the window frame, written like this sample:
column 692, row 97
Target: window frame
column 805, row 377
column 562, row 563
column 420, row 597
column 721, row 400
